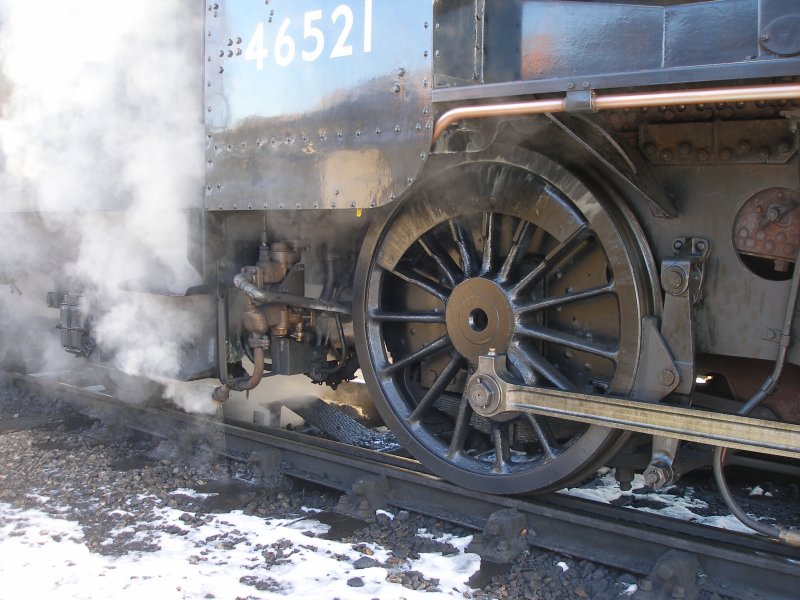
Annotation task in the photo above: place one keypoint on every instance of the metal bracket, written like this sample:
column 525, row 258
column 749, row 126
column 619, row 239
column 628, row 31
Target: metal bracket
column 682, row 281
column 579, row 101
column 367, row 495
column 504, row 537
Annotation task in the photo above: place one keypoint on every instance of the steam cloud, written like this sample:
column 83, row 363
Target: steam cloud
column 101, row 145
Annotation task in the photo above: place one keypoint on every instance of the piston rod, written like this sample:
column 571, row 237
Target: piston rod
column 494, row 394
column 781, row 91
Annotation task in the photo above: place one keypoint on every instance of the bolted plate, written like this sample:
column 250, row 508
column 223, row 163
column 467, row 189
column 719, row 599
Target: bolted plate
column 315, row 103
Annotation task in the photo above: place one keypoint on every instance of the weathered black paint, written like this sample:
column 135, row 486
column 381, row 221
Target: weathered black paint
column 343, row 132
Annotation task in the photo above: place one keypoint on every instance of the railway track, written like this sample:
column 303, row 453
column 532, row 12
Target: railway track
column 674, row 558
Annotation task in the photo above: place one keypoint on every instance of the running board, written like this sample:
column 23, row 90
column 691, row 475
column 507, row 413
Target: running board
column 491, row 394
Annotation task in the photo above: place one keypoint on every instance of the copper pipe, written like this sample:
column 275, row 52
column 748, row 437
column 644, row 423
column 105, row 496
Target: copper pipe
column 782, row 91
column 242, row 384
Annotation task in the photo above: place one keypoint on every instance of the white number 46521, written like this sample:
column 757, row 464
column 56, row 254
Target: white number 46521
column 313, row 46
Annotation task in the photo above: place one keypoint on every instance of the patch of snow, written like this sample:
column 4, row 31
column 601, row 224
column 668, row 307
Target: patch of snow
column 192, row 494
column 563, row 566
column 385, row 513
column 630, row 590
column 605, row 489
column 43, row 556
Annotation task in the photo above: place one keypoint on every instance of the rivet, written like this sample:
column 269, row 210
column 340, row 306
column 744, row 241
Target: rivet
column 744, row 147
column 425, row 54
column 425, row 83
column 437, row 53
column 373, row 204
column 763, row 153
column 230, row 53
column 377, row 130
column 238, row 52
column 238, row 40
column 586, row 85
column 426, row 25
column 725, row 154
column 397, row 128
column 230, row 42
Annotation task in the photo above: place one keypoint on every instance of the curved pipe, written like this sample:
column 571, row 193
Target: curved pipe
column 242, row 384
column 268, row 297
column 781, row 91
column 788, row 536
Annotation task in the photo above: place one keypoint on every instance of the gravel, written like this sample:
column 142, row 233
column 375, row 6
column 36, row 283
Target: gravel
column 114, row 483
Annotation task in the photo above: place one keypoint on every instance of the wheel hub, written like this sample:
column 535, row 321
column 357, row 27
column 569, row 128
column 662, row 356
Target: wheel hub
column 479, row 317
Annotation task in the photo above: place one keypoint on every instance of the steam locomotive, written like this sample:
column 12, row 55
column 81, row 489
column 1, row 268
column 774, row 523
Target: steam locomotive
column 549, row 234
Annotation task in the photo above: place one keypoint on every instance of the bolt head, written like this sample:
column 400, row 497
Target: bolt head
column 480, row 394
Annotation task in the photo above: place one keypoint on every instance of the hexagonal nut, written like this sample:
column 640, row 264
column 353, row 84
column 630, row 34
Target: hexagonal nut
column 657, row 476
column 481, row 394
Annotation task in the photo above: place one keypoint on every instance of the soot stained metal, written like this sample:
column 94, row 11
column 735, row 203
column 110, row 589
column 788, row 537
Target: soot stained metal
column 315, row 104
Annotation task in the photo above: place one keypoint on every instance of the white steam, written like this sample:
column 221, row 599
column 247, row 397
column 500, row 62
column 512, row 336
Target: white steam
column 101, row 134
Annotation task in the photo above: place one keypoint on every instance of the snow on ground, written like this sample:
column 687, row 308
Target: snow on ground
column 605, row 489
column 45, row 557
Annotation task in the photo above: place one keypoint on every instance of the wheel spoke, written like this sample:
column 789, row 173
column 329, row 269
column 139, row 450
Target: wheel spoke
column 569, row 340
column 461, row 429
column 442, row 259
column 520, row 243
column 416, row 357
column 407, row 317
column 433, row 393
column 542, row 366
column 423, row 283
column 491, row 239
column 501, row 436
column 554, row 301
column 553, row 258
column 466, row 246
column 521, row 363
column 547, row 441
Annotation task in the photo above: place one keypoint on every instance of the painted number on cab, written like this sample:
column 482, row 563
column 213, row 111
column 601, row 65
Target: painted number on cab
column 311, row 44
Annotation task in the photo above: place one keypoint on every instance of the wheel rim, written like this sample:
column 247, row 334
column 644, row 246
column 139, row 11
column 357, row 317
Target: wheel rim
column 525, row 261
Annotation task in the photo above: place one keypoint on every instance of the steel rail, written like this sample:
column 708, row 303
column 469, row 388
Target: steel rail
column 594, row 103
column 734, row 564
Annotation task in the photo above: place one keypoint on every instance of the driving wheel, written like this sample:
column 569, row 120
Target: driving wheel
column 518, row 258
